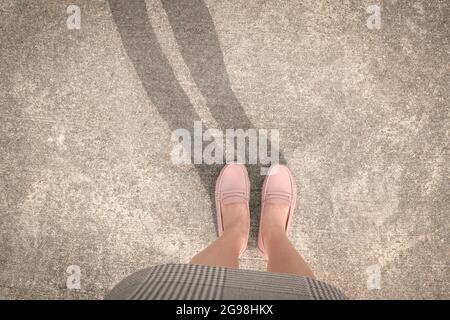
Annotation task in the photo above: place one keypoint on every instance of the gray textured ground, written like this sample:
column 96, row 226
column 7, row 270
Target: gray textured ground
column 86, row 117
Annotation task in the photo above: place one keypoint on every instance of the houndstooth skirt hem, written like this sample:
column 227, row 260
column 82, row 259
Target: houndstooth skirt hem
column 199, row 282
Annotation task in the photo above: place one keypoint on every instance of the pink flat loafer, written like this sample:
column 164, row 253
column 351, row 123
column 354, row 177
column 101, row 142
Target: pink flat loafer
column 278, row 188
column 232, row 186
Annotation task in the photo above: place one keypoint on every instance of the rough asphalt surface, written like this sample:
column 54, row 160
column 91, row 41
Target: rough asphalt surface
column 85, row 137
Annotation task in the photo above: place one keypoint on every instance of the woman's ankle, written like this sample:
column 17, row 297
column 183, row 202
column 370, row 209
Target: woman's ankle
column 236, row 220
column 237, row 233
column 273, row 235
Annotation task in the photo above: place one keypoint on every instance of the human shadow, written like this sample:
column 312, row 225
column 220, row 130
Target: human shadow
column 199, row 45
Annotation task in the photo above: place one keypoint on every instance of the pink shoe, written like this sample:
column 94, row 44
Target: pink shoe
column 232, row 186
column 279, row 188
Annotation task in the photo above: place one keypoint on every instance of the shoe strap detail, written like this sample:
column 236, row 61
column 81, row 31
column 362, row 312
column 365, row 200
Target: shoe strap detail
column 278, row 197
column 234, row 196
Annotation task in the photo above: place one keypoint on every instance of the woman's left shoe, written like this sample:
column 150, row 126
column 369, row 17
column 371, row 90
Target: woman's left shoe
column 279, row 188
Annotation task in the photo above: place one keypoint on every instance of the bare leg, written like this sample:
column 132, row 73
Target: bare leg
column 225, row 250
column 283, row 257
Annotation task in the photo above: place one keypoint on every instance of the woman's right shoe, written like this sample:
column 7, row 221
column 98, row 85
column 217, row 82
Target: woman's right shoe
column 232, row 186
